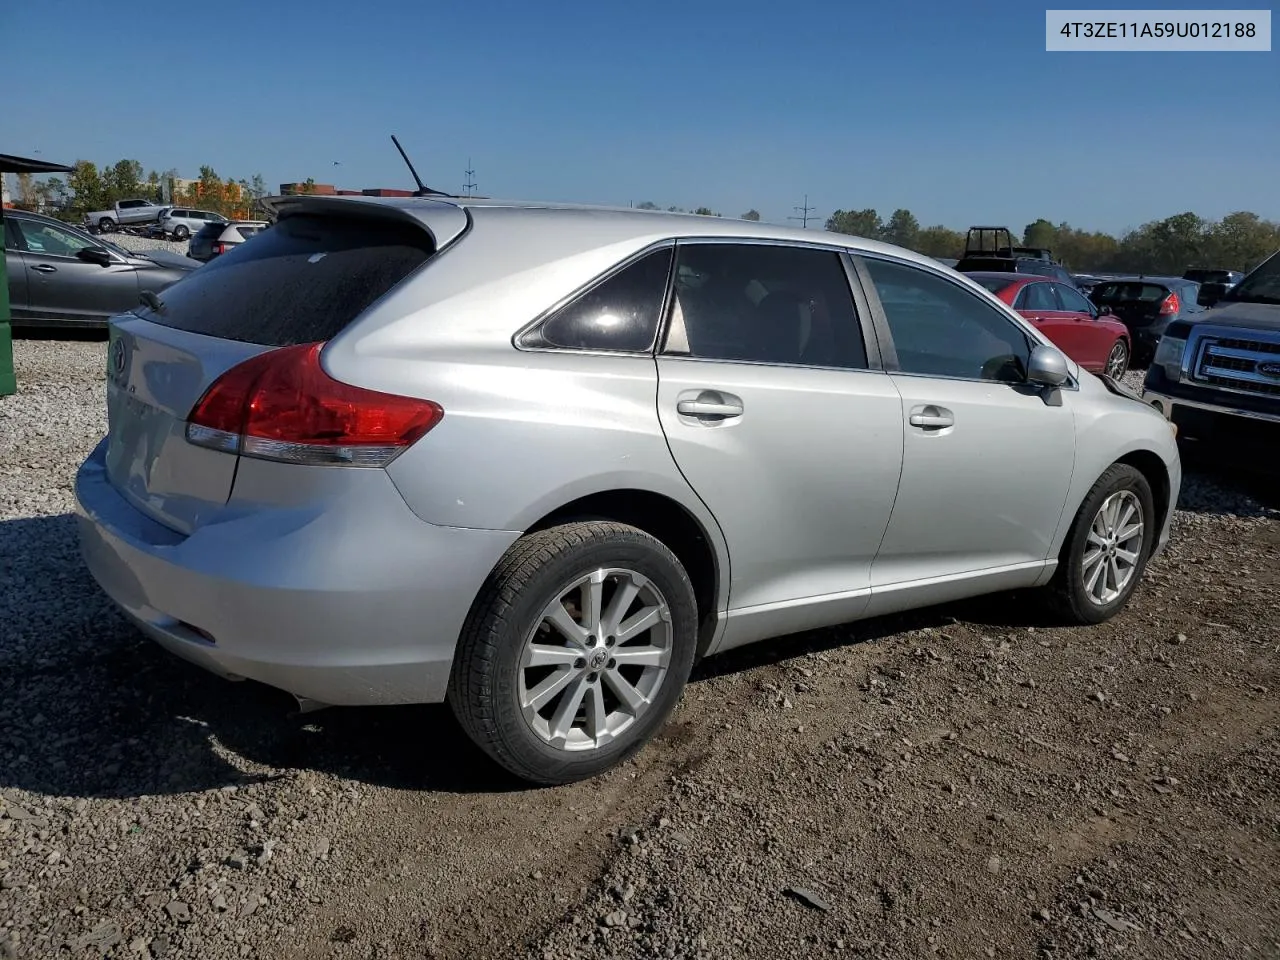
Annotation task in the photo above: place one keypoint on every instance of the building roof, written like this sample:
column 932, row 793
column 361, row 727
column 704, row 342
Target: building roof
column 11, row 164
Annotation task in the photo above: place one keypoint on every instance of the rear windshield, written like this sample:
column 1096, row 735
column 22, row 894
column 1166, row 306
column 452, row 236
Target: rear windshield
column 211, row 229
column 1129, row 292
column 247, row 232
column 1208, row 276
column 303, row 280
column 994, row 284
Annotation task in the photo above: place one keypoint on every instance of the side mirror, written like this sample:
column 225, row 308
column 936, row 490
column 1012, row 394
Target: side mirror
column 98, row 255
column 1047, row 367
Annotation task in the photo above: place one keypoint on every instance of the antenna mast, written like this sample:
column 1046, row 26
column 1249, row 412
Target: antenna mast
column 806, row 213
column 423, row 190
column 471, row 183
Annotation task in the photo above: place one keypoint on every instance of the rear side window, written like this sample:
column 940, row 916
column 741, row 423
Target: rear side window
column 303, row 281
column 994, row 284
column 618, row 314
column 1038, row 296
column 246, row 232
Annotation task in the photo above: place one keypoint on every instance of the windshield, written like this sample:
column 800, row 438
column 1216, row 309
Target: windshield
column 1261, row 286
column 1148, row 292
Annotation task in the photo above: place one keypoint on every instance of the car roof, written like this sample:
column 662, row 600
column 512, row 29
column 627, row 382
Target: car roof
column 608, row 224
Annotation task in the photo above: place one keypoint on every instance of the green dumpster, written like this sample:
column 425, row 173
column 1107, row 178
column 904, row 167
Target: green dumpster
column 10, row 164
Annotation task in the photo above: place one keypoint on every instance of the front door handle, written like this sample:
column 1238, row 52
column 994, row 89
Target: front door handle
column 710, row 405
column 931, row 418
column 45, row 268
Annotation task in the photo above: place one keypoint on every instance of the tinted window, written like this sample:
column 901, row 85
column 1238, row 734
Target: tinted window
column 246, row 232
column 305, row 280
column 619, row 313
column 1073, row 300
column 763, row 303
column 1037, row 297
column 210, row 230
column 941, row 330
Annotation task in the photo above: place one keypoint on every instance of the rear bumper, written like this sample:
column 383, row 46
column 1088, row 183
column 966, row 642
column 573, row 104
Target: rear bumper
column 358, row 602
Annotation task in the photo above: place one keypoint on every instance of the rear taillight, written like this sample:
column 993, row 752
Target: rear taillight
column 221, row 247
column 281, row 405
column 1169, row 305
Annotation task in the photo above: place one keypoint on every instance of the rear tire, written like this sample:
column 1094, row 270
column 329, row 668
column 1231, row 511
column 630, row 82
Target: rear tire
column 555, row 704
column 1104, row 556
column 181, row 233
column 106, row 225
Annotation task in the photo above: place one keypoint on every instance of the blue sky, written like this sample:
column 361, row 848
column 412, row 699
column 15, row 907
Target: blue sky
column 953, row 110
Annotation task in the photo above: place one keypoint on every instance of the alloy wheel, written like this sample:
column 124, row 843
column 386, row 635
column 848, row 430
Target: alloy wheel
column 1117, row 360
column 1113, row 547
column 595, row 660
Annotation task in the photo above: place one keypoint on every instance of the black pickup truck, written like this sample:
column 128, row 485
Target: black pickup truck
column 1222, row 365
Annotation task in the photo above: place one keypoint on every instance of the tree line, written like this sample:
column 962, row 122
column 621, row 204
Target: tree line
column 88, row 188
column 1239, row 241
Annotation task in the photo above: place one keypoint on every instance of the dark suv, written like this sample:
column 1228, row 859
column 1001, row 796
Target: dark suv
column 991, row 250
column 1223, row 362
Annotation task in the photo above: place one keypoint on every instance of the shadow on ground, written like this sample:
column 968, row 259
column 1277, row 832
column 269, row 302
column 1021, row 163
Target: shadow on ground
column 89, row 708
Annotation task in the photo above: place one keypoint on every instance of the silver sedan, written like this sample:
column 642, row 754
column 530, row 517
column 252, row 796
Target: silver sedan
column 537, row 460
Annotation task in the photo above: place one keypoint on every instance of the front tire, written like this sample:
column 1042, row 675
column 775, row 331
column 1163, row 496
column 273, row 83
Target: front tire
column 1117, row 360
column 575, row 652
column 1107, row 549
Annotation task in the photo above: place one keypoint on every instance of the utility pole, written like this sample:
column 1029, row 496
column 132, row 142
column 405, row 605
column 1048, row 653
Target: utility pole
column 806, row 213
column 471, row 183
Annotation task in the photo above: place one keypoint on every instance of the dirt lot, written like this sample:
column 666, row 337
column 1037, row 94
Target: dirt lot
column 964, row 782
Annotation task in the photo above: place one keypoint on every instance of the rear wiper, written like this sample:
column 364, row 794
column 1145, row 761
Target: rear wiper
column 149, row 299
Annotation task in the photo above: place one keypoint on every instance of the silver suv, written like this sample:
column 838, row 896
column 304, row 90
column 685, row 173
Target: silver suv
column 537, row 460
column 182, row 222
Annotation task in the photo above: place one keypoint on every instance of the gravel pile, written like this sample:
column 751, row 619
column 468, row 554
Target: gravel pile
column 969, row 782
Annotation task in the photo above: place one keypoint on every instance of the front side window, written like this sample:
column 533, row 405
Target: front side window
column 1073, row 300
column 764, row 303
column 939, row 329
column 620, row 313
column 50, row 240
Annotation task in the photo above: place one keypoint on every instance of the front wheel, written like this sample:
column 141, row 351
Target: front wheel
column 575, row 651
column 1117, row 360
column 1107, row 548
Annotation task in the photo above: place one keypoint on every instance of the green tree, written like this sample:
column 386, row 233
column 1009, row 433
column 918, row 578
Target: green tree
column 939, row 241
column 675, row 209
column 705, row 212
column 309, row 185
column 856, row 223
column 1239, row 241
column 646, row 205
column 86, row 185
column 902, row 229
column 1041, row 233
column 28, row 195
column 751, row 214
column 123, row 180
column 153, row 187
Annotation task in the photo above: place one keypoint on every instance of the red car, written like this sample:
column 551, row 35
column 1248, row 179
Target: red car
column 1096, row 341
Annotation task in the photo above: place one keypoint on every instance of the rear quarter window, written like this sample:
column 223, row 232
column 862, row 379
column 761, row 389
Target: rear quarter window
column 304, row 280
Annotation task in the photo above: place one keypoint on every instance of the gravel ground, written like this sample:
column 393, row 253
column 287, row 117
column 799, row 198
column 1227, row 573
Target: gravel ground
column 965, row 782
column 143, row 244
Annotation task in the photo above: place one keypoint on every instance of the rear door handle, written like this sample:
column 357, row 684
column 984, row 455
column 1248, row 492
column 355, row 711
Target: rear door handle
column 45, row 268
column 710, row 405
column 931, row 418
